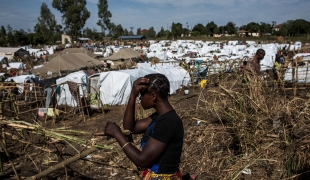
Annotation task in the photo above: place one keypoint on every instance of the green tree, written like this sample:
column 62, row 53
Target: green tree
column 265, row 27
column 10, row 36
column 111, row 28
column 2, row 33
column 176, row 29
column 125, row 33
column 211, row 28
column 74, row 15
column 139, row 31
column 21, row 37
column 221, row 29
column 230, row 28
column 3, row 41
column 89, row 33
column 45, row 29
column 252, row 27
column 151, row 32
column 200, row 29
column 119, row 30
column 301, row 27
column 161, row 33
column 104, row 15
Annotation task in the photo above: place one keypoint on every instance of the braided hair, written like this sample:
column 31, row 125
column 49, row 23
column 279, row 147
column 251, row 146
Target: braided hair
column 160, row 84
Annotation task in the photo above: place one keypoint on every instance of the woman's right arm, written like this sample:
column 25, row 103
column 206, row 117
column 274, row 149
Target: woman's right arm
column 129, row 121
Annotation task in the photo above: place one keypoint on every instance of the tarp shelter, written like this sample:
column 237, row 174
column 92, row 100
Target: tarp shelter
column 4, row 62
column 65, row 97
column 11, row 52
column 176, row 75
column 125, row 53
column 132, row 37
column 16, row 65
column 68, row 61
column 20, row 80
column 306, row 56
column 115, row 86
column 78, row 50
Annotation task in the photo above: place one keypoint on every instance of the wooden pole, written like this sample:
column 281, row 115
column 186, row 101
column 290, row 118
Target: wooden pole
column 8, row 155
column 66, row 162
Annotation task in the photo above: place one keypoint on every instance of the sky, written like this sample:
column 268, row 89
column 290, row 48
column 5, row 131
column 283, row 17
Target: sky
column 23, row 14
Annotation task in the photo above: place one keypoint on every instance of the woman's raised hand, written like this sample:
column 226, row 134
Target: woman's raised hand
column 138, row 85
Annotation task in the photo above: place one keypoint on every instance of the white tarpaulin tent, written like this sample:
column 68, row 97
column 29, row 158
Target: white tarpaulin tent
column 115, row 86
column 176, row 75
column 21, row 79
column 16, row 65
column 65, row 96
column 302, row 75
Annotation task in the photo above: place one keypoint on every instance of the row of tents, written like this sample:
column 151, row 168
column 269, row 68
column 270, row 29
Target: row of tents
column 112, row 87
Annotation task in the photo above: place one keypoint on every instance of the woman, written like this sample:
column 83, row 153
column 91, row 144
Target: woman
column 163, row 130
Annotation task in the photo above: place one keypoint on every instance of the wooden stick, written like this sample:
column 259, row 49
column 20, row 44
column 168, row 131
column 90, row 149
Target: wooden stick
column 66, row 162
column 12, row 164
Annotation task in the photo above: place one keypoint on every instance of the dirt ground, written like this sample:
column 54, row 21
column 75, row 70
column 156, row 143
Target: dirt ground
column 41, row 153
column 38, row 152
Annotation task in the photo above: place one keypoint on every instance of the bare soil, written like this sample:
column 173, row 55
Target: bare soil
column 210, row 146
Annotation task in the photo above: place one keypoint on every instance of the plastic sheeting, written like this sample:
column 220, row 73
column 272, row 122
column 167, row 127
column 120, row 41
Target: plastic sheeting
column 176, row 75
column 21, row 79
column 17, row 65
column 302, row 75
column 115, row 86
column 65, row 96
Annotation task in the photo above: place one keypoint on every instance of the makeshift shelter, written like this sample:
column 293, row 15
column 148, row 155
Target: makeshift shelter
column 125, row 53
column 65, row 97
column 132, row 37
column 78, row 50
column 114, row 87
column 16, row 65
column 11, row 52
column 176, row 75
column 20, row 80
column 69, row 62
column 4, row 62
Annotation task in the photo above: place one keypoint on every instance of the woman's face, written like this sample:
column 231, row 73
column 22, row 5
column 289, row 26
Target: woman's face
column 146, row 100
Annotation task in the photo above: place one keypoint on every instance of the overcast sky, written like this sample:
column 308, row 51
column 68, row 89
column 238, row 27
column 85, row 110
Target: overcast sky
column 23, row 14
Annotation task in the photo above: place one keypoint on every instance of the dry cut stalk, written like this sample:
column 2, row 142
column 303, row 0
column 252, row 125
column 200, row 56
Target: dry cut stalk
column 66, row 162
column 12, row 164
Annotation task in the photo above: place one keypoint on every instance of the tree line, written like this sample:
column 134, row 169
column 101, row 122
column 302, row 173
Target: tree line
column 75, row 14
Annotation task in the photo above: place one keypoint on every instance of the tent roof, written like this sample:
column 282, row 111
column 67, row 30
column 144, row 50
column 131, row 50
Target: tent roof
column 9, row 50
column 70, row 61
column 78, row 50
column 83, row 39
column 125, row 53
column 132, row 37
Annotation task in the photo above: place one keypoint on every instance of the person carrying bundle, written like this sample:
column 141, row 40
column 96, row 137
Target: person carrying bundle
column 163, row 130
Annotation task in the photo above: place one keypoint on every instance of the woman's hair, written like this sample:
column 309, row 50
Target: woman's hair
column 160, row 84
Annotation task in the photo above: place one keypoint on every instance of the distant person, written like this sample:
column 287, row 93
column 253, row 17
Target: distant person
column 277, row 69
column 253, row 66
column 215, row 58
column 281, row 59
